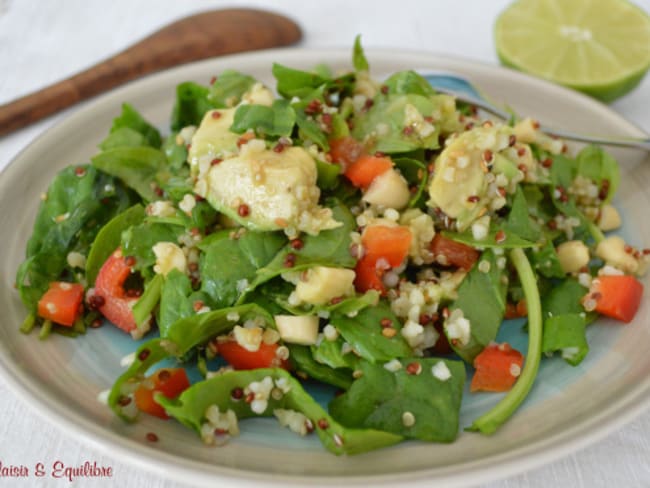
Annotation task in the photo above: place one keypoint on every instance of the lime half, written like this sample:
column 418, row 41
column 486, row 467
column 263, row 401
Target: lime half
column 599, row 47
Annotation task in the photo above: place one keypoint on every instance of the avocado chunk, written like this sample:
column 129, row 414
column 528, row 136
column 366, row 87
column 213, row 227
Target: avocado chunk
column 212, row 140
column 459, row 186
column 266, row 190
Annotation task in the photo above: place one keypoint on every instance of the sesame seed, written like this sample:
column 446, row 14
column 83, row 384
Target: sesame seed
column 338, row 440
column 414, row 368
column 388, row 332
column 515, row 370
column 500, row 237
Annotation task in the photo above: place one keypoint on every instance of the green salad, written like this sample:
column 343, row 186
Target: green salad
column 369, row 235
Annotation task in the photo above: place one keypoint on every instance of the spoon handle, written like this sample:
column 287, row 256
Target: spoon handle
column 193, row 38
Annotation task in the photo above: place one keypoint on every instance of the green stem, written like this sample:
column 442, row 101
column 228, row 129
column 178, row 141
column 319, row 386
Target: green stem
column 28, row 324
column 489, row 422
column 596, row 233
column 46, row 328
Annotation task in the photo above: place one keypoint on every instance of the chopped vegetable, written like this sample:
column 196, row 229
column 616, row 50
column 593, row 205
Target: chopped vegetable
column 618, row 297
column 169, row 382
column 62, row 303
column 241, row 358
column 366, row 168
column 497, row 368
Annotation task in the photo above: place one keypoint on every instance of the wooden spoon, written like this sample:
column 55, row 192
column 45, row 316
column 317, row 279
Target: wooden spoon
column 193, row 38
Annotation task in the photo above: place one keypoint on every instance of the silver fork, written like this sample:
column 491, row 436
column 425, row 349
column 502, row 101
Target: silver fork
column 464, row 91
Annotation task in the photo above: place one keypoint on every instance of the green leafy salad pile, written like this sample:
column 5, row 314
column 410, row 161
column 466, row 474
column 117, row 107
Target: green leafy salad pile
column 372, row 236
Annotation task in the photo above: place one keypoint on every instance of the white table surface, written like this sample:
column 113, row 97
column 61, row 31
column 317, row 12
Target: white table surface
column 44, row 41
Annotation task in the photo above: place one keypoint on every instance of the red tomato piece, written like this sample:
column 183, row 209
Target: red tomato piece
column 367, row 276
column 618, row 297
column 345, row 151
column 61, row 303
column 455, row 253
column 241, row 358
column 116, row 306
column 366, row 168
column 497, row 368
column 390, row 243
column 171, row 382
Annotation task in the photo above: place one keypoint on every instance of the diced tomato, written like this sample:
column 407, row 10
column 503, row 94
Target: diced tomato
column 380, row 242
column 171, row 382
column 116, row 305
column 367, row 276
column 389, row 243
column 241, row 358
column 455, row 253
column 61, row 303
column 516, row 310
column 497, row 368
column 366, row 168
column 345, row 151
column 618, row 297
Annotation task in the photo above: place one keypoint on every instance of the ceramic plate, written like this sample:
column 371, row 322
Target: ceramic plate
column 567, row 408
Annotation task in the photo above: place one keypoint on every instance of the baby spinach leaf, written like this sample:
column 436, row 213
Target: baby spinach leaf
column 148, row 301
column 174, row 300
column 389, row 112
column 303, row 362
column 330, row 353
column 176, row 153
column 519, row 221
column 359, row 60
column 228, row 265
column 79, row 201
column 566, row 333
column 275, row 121
column 130, row 118
column 229, row 87
column 363, row 331
column 409, row 82
column 328, row 248
column 545, row 261
column 598, row 166
column 123, row 137
column 295, row 83
column 109, row 238
column 190, row 408
column 137, row 167
column 482, row 298
column 328, row 174
column 383, row 400
column 192, row 102
column 138, row 241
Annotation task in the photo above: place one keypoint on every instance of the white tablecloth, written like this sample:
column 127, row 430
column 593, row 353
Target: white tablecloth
column 44, row 41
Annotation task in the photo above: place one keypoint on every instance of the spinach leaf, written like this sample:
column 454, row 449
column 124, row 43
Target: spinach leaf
column 328, row 248
column 409, row 82
column 482, row 298
column 229, row 87
column 363, row 332
column 228, row 265
column 519, row 221
column 564, row 298
column 381, row 400
column 390, row 113
column 147, row 302
column 566, row 333
column 191, row 406
column 598, row 166
column 138, row 241
column 295, row 83
column 359, row 60
column 330, row 353
column 109, row 238
column 545, row 261
column 176, row 153
column 79, row 201
column 137, row 167
column 275, row 121
column 563, row 172
column 131, row 119
column 328, row 174
column 123, row 137
column 174, row 300
column 304, row 363
column 192, row 102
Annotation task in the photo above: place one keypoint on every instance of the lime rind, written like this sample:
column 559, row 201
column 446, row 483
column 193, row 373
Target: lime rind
column 598, row 47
